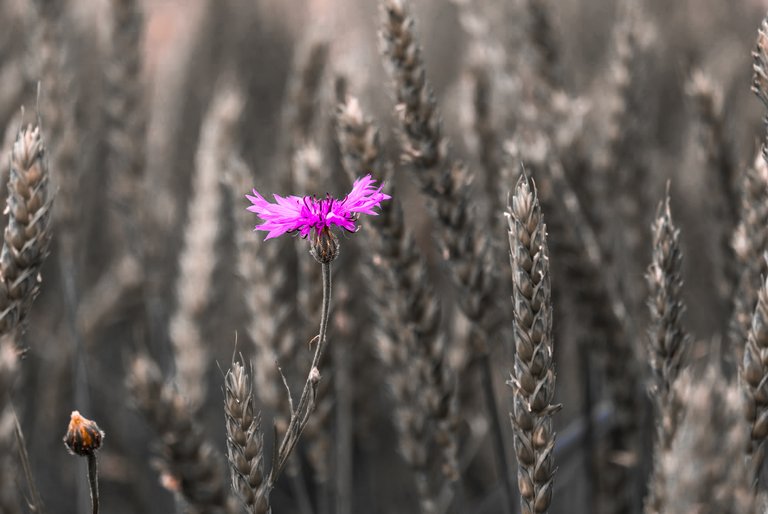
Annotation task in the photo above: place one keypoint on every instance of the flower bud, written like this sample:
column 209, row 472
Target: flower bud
column 83, row 436
column 324, row 246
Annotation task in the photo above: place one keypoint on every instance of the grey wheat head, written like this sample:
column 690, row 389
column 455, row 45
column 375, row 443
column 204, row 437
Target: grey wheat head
column 533, row 375
column 245, row 441
column 27, row 236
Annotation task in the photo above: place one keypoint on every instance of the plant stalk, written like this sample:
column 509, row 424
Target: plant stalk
column 300, row 415
column 93, row 481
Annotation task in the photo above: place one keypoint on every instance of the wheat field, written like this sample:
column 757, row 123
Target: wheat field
column 384, row 256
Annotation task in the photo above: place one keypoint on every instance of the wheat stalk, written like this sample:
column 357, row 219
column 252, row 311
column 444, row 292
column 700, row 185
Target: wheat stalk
column 533, row 376
column 599, row 301
column 447, row 184
column 27, row 236
column 245, row 441
column 667, row 343
column 407, row 315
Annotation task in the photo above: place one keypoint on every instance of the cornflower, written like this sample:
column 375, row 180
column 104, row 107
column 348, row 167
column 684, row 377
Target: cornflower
column 312, row 218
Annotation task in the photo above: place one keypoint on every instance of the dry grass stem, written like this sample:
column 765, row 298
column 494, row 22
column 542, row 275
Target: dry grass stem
column 533, row 376
column 27, row 236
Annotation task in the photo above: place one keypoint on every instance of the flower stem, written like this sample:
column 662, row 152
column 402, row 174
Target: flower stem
column 93, row 481
column 300, row 415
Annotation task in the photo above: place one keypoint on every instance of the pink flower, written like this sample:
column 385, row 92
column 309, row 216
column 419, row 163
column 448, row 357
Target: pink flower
column 292, row 213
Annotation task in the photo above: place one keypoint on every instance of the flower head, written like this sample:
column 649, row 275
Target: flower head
column 310, row 215
column 83, row 436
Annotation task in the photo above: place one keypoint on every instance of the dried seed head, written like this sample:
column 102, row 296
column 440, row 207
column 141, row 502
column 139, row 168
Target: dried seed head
column 83, row 435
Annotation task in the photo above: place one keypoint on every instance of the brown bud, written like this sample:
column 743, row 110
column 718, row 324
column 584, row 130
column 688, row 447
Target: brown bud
column 83, row 436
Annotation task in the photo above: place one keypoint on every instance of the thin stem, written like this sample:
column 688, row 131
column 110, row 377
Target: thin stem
column 93, row 481
column 502, row 463
column 34, row 501
column 343, row 428
column 306, row 404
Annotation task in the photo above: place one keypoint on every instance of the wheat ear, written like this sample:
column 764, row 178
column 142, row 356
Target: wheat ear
column 194, row 466
column 27, row 236
column 603, row 307
column 667, row 343
column 198, row 256
column 750, row 242
column 754, row 374
column 263, row 282
column 26, row 242
column 447, row 184
column 718, row 153
column 124, row 111
column 57, row 104
column 541, row 35
column 245, row 441
column 533, row 376
column 704, row 470
column 408, row 339
column 300, row 108
column 751, row 238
